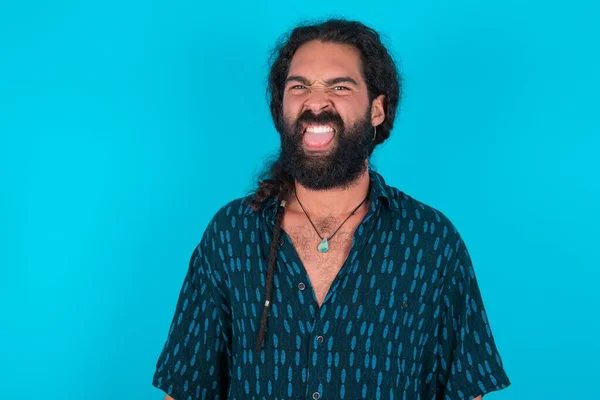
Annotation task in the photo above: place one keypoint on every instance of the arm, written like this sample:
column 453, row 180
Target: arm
column 470, row 365
column 195, row 358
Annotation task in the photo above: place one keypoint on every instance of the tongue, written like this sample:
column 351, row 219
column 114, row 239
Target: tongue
column 317, row 139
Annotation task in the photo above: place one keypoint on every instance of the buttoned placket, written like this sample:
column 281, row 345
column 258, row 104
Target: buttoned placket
column 319, row 327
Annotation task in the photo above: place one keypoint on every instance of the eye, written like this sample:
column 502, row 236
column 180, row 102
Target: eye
column 341, row 88
column 297, row 87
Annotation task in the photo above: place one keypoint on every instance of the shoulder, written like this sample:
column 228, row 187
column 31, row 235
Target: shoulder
column 225, row 236
column 231, row 228
column 429, row 224
column 430, row 219
column 230, row 213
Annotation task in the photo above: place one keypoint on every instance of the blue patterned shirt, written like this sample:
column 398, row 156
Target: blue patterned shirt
column 403, row 318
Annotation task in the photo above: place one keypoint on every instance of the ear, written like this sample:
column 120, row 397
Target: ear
column 377, row 110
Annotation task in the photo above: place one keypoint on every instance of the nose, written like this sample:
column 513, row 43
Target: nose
column 317, row 101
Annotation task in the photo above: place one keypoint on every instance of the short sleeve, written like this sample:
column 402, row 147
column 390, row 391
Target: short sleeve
column 194, row 362
column 469, row 362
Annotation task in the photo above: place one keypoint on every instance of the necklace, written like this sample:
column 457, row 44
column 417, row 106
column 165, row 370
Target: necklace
column 324, row 245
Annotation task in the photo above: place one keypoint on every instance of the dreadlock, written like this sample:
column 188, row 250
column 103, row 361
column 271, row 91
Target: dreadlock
column 279, row 186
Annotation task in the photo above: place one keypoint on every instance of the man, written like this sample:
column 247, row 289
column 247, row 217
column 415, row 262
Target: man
column 326, row 283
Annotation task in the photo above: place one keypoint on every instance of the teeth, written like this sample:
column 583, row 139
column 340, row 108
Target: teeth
column 319, row 129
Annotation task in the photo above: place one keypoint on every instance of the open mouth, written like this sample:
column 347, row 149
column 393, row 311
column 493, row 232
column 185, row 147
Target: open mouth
column 318, row 136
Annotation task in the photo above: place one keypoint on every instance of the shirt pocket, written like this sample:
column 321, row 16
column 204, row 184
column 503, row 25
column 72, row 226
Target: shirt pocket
column 403, row 331
column 395, row 346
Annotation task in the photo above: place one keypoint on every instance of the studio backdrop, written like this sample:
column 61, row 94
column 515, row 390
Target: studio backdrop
column 125, row 125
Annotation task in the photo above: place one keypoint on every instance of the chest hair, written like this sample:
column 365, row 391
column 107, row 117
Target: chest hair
column 322, row 268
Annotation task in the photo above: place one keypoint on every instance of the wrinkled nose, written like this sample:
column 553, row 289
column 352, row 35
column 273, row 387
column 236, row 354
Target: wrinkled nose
column 317, row 102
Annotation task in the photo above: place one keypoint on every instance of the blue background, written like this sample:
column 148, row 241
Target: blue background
column 126, row 124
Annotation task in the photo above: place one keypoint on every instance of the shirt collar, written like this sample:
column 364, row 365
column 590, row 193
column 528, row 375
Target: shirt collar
column 378, row 190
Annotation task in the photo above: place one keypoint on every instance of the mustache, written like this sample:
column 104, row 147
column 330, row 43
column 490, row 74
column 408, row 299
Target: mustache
column 325, row 117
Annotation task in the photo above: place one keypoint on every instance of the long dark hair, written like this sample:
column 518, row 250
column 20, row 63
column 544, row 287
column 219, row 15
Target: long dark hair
column 381, row 76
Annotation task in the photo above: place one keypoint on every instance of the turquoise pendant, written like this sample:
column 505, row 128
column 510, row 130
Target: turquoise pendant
column 323, row 246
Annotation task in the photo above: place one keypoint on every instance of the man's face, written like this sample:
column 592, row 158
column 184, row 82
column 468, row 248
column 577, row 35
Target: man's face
column 327, row 116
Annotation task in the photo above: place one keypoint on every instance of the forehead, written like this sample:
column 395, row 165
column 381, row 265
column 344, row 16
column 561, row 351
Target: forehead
column 318, row 60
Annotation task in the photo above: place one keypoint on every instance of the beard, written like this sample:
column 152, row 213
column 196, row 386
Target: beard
column 337, row 168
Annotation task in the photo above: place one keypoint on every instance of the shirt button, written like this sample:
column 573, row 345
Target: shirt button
column 280, row 242
column 301, row 286
column 316, row 395
column 320, row 339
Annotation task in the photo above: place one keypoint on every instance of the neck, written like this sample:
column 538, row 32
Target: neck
column 331, row 202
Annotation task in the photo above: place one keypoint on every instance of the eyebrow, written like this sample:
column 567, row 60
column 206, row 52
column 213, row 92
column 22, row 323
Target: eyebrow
column 330, row 82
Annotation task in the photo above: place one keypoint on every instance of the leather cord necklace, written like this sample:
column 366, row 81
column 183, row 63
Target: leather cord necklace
column 324, row 244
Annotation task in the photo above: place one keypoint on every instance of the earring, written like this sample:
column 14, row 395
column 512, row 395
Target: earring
column 374, row 133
